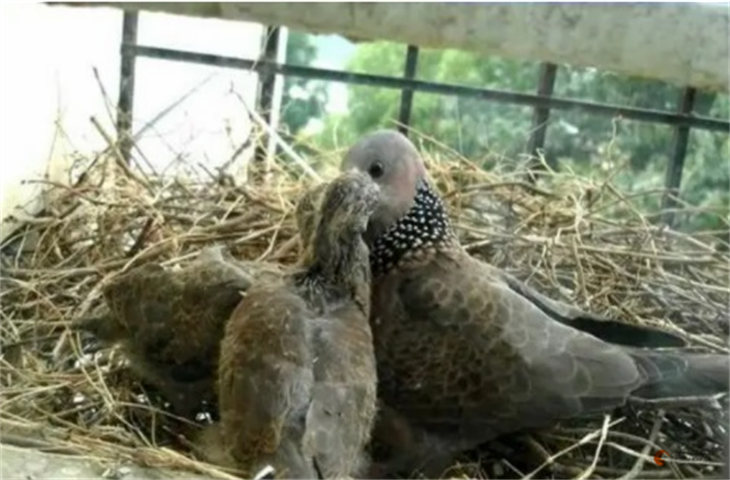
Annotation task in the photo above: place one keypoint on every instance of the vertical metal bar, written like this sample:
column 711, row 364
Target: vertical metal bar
column 406, row 96
column 125, row 103
column 673, row 177
column 265, row 100
column 541, row 115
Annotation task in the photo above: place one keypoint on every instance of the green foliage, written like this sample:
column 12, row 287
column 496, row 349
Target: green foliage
column 303, row 99
column 467, row 125
column 636, row 153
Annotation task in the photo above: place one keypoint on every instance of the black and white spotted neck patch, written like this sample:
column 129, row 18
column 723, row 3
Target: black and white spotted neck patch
column 425, row 225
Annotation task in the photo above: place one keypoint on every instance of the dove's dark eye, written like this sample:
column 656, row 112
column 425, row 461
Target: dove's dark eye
column 376, row 170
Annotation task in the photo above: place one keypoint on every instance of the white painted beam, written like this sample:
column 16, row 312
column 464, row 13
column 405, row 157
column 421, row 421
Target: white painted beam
column 685, row 44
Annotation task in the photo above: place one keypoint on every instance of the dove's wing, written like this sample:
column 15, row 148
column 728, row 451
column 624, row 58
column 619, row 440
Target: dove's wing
column 265, row 374
column 170, row 323
column 344, row 395
column 175, row 319
column 210, row 294
column 468, row 356
column 604, row 328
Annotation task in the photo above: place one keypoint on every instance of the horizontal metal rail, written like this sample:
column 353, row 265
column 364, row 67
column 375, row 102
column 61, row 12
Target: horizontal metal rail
column 640, row 114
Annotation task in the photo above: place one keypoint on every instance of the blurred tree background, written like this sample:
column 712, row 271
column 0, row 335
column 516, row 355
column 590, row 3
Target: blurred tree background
column 303, row 99
column 483, row 131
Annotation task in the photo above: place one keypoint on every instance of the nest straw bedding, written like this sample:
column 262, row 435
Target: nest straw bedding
column 576, row 240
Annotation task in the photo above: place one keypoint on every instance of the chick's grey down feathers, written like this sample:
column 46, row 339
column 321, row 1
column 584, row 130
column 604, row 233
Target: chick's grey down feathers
column 307, row 213
column 169, row 323
column 465, row 352
column 297, row 378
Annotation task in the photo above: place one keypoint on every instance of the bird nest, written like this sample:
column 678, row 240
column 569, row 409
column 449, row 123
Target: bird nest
column 579, row 241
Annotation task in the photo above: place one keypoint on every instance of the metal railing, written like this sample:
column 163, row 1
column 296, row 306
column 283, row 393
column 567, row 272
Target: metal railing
column 542, row 100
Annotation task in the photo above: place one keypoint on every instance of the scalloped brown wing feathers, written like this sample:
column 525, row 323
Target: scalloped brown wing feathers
column 169, row 322
column 297, row 386
column 265, row 380
column 462, row 354
column 297, row 372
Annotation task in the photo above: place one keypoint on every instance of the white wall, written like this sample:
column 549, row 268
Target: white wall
column 212, row 122
column 47, row 55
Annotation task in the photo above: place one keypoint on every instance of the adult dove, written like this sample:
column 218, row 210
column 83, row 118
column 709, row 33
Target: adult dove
column 466, row 353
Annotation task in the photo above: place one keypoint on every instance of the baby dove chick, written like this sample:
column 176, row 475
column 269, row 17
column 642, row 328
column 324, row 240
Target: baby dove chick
column 169, row 323
column 297, row 381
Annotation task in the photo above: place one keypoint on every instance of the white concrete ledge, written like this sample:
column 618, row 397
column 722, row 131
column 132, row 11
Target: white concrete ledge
column 684, row 44
column 27, row 463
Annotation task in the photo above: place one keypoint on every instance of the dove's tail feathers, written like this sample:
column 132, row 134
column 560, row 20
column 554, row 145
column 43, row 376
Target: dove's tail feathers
column 681, row 375
column 103, row 327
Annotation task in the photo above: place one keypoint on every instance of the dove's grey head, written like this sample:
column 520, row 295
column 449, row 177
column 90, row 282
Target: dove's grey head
column 409, row 216
column 392, row 161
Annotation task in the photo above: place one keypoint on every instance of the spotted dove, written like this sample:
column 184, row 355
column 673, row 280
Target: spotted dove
column 297, row 379
column 465, row 352
column 169, row 323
